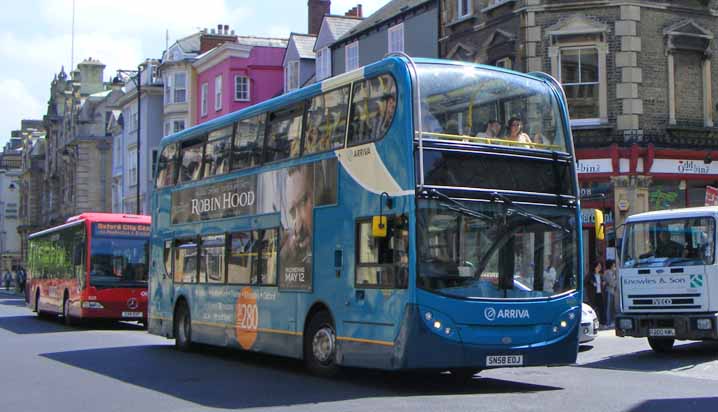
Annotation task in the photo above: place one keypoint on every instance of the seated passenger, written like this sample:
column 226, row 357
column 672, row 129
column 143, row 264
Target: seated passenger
column 514, row 132
column 493, row 127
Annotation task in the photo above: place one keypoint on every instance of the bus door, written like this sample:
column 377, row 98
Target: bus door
column 375, row 305
column 161, row 288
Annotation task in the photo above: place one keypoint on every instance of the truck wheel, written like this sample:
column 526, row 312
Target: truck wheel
column 183, row 328
column 320, row 346
column 661, row 345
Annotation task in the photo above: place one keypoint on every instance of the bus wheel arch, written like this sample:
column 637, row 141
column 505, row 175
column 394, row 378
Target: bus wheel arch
column 182, row 325
column 319, row 341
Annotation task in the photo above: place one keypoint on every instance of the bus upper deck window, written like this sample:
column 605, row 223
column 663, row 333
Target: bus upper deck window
column 248, row 142
column 326, row 121
column 190, row 167
column 167, row 166
column 373, row 108
column 285, row 133
column 216, row 153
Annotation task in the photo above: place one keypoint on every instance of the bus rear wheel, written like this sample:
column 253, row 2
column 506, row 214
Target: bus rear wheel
column 661, row 345
column 320, row 346
column 183, row 328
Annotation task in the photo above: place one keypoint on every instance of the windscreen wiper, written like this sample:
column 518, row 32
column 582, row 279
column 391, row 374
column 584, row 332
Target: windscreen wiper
column 458, row 206
column 512, row 209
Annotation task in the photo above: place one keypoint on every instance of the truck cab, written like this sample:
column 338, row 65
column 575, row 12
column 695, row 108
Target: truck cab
column 668, row 277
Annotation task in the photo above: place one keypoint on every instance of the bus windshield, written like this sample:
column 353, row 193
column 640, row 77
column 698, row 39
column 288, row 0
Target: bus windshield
column 491, row 250
column 669, row 243
column 119, row 255
column 482, row 106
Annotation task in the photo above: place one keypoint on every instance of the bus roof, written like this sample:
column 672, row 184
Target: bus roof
column 111, row 217
column 96, row 217
column 684, row 213
column 316, row 88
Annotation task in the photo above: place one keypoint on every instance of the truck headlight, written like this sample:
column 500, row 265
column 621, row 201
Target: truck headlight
column 704, row 324
column 625, row 323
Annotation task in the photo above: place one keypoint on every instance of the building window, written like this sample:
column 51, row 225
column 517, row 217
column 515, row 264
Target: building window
column 324, row 63
column 578, row 72
column 463, row 8
column 180, row 87
column 203, row 101
column 218, row 92
column 177, row 126
column 292, row 75
column 241, row 88
column 168, row 89
column 168, row 128
column 396, row 38
column 351, row 59
column 132, row 167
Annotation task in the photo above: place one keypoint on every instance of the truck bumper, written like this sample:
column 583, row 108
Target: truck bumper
column 685, row 325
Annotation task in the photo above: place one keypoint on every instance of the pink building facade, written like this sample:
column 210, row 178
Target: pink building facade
column 233, row 76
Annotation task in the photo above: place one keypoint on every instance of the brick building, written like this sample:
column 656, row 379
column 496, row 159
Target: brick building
column 639, row 78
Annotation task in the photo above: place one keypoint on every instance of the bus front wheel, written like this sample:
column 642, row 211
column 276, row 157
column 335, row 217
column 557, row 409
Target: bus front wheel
column 661, row 345
column 320, row 345
column 69, row 321
column 183, row 328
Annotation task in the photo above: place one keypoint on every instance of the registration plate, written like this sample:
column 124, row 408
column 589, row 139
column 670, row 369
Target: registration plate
column 504, row 360
column 131, row 314
column 662, row 332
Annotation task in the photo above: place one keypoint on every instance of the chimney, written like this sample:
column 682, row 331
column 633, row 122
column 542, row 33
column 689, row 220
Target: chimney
column 209, row 41
column 354, row 12
column 317, row 9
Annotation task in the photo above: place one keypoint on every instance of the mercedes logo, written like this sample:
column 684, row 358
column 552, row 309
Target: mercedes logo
column 132, row 303
column 490, row 313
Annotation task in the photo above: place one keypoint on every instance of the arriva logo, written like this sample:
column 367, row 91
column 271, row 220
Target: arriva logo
column 491, row 314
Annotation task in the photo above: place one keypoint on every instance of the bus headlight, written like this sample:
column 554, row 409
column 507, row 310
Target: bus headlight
column 439, row 324
column 92, row 305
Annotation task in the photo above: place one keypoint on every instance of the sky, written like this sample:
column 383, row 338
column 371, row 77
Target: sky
column 36, row 38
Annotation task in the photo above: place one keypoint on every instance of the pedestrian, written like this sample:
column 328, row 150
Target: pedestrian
column 21, row 279
column 598, row 284
column 611, row 277
column 7, row 278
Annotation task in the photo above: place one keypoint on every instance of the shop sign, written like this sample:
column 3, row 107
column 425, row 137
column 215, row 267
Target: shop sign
column 684, row 167
column 585, row 166
column 588, row 218
column 711, row 196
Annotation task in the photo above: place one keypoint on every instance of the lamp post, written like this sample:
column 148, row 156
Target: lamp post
column 136, row 76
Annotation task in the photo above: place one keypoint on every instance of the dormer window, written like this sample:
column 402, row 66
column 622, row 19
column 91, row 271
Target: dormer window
column 463, row 9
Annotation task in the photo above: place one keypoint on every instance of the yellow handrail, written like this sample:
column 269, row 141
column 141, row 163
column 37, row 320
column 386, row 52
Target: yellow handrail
column 491, row 140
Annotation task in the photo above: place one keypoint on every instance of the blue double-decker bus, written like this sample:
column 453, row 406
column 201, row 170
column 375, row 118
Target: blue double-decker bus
column 410, row 214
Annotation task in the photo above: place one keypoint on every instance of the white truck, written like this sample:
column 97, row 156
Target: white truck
column 668, row 277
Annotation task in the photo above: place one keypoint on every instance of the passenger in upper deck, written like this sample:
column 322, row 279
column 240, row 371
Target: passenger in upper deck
column 515, row 133
column 493, row 128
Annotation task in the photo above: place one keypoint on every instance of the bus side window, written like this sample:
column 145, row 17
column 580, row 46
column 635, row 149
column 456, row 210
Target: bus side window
column 382, row 262
column 267, row 250
column 241, row 260
column 167, row 166
column 284, row 136
column 185, row 261
column 248, row 142
column 216, row 153
column 211, row 267
column 372, row 110
column 191, row 161
column 326, row 121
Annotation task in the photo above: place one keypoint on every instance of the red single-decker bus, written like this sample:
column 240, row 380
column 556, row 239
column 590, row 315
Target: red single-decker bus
column 92, row 267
